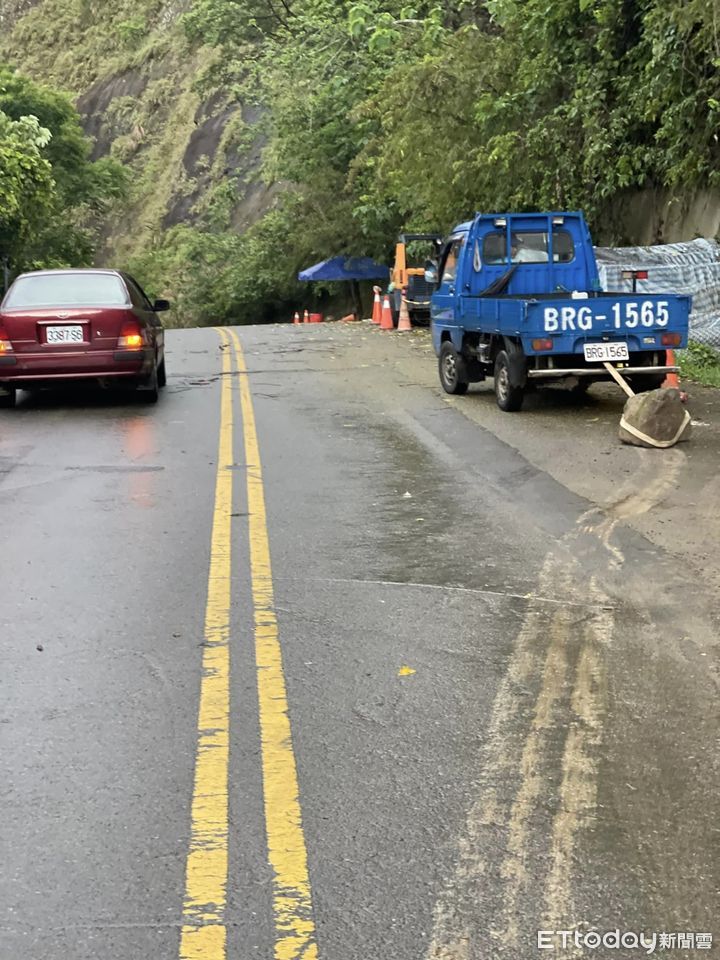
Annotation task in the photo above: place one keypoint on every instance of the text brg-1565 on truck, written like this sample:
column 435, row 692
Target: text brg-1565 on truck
column 518, row 297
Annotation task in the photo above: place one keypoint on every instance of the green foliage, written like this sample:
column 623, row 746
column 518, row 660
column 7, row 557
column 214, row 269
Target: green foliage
column 387, row 116
column 51, row 195
column 73, row 42
column 27, row 189
column 132, row 31
column 222, row 277
column 377, row 115
column 700, row 363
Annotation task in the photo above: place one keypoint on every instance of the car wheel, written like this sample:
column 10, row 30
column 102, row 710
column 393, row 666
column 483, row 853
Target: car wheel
column 452, row 369
column 149, row 391
column 509, row 395
column 162, row 376
column 7, row 398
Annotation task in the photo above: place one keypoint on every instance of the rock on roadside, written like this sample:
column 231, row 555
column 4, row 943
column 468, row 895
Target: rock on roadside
column 657, row 418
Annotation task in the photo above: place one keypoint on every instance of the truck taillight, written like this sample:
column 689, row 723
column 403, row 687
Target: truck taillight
column 130, row 336
column 542, row 344
column 634, row 274
column 671, row 339
column 5, row 345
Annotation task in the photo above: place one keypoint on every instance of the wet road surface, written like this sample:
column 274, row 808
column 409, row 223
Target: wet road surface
column 311, row 661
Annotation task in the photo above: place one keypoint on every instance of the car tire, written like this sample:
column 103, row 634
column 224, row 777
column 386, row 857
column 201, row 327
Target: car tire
column 149, row 391
column 453, row 371
column 162, row 375
column 8, row 398
column 508, row 394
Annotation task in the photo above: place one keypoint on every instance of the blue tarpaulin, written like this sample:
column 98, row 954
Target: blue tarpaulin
column 346, row 268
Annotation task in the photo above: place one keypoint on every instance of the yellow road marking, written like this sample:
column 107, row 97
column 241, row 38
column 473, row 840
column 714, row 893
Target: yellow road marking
column 203, row 934
column 287, row 854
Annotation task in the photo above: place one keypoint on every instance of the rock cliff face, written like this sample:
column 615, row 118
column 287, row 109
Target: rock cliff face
column 12, row 10
column 193, row 149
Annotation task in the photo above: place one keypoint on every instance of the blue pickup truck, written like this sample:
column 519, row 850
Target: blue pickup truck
column 518, row 298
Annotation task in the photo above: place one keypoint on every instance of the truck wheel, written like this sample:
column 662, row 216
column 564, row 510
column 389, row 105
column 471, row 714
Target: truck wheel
column 581, row 387
column 453, row 372
column 509, row 395
column 643, row 382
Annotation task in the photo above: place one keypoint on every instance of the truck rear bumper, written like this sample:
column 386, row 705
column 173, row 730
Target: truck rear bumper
column 558, row 374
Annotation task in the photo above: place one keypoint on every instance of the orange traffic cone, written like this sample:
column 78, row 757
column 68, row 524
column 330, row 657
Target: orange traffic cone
column 386, row 321
column 306, row 317
column 377, row 307
column 404, row 323
column 296, row 318
column 672, row 379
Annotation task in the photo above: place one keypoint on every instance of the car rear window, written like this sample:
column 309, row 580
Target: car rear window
column 67, row 290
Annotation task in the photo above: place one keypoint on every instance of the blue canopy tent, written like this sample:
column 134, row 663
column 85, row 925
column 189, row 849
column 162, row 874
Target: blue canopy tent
column 350, row 269
column 346, row 268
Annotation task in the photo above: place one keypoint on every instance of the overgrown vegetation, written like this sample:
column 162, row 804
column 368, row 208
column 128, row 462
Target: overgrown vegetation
column 378, row 115
column 52, row 197
column 700, row 363
column 386, row 115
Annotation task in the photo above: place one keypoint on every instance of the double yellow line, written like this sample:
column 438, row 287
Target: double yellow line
column 204, row 931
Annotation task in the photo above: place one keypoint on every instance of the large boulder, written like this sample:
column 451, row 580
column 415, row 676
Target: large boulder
column 657, row 418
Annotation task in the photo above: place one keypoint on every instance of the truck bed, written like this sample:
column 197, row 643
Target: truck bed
column 569, row 322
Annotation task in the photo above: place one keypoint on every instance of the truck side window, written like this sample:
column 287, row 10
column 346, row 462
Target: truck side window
column 449, row 270
column 563, row 247
column 494, row 250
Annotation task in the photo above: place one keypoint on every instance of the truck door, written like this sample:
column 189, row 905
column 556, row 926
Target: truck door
column 445, row 299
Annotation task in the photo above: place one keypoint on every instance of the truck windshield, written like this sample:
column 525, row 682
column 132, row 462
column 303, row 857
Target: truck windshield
column 66, row 290
column 528, row 246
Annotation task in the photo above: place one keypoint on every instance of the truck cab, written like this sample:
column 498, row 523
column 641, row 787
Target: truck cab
column 517, row 297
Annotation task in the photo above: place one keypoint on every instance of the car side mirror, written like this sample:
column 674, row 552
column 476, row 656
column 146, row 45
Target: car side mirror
column 160, row 306
column 431, row 273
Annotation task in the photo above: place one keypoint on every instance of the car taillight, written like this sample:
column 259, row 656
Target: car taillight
column 671, row 339
column 5, row 345
column 130, row 337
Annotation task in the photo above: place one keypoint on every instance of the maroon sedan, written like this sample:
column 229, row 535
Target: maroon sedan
column 80, row 325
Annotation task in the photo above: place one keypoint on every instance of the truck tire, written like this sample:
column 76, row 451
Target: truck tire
column 508, row 393
column 581, row 387
column 453, row 371
column 642, row 382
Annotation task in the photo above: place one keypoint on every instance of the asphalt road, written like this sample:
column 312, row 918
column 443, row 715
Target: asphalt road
column 475, row 695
